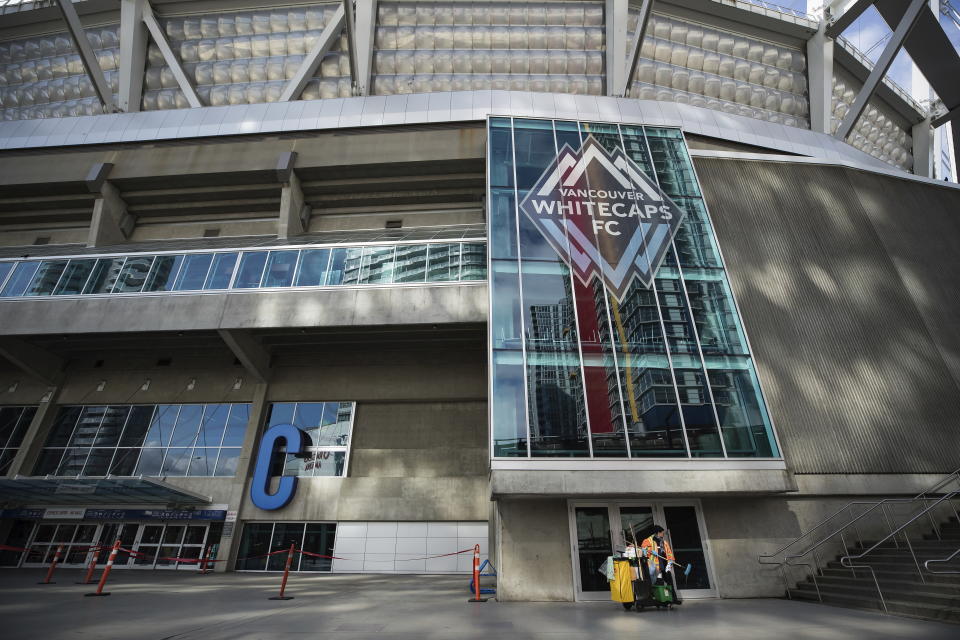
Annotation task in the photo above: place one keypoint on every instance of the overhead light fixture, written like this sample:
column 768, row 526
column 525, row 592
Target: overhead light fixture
column 145, row 385
column 237, row 383
column 192, row 384
column 101, row 385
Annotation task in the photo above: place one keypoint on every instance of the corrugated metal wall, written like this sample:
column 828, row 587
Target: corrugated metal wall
column 847, row 283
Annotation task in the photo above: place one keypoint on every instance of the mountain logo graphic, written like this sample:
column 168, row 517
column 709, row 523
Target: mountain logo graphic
column 603, row 216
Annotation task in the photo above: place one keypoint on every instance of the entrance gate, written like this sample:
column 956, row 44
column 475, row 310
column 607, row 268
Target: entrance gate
column 601, row 529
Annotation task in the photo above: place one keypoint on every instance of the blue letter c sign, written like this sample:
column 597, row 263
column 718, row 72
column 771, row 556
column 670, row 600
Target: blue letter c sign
column 260, row 487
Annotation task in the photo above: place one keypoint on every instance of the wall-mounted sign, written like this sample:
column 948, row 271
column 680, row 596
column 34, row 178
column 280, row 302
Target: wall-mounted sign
column 603, row 216
column 64, row 514
column 295, row 440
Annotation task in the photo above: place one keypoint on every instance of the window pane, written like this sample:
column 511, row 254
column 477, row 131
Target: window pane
column 411, row 263
column 338, row 259
column 377, row 265
column 281, row 413
column 473, row 261
column 98, row 464
column 203, row 462
column 21, row 277
column 280, row 268
column 21, row 430
column 104, row 276
column 63, row 427
column 251, row 269
column 162, row 425
column 6, row 459
column 214, row 422
column 48, row 462
column 47, row 276
column 351, row 266
column 124, row 462
column 746, row 426
column 194, row 272
column 443, row 264
column 222, row 271
column 227, row 462
column 133, row 275
column 313, row 267
column 556, row 406
column 176, row 462
column 255, row 542
column 284, row 534
column 73, row 461
column 188, row 426
column 150, row 462
column 236, row 425
column 163, row 273
column 319, row 539
column 87, row 426
column 503, row 223
column 9, row 417
column 5, row 269
column 137, row 426
column 112, row 425
column 327, row 463
column 74, row 277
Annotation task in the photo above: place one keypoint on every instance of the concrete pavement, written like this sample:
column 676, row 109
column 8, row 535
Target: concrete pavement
column 169, row 605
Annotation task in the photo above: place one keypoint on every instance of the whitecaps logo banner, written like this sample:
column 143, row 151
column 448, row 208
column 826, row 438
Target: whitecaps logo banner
column 603, row 216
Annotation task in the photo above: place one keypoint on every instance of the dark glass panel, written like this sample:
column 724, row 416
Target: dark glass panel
column 9, row 417
column 714, row 313
column 74, row 277
column 744, row 421
column 508, row 410
column 63, row 427
column 281, row 413
column 203, row 461
column 255, row 542
column 443, row 264
column 319, row 539
column 593, row 546
column 338, row 259
column 111, row 427
column 506, row 327
column 98, row 464
column 104, row 276
column 473, row 261
column 501, row 153
column 251, row 270
column 236, row 425
column 6, row 459
column 87, row 426
column 124, row 462
column 176, row 461
column 161, row 426
column 137, row 426
column 133, row 275
column 313, row 267
column 548, row 307
column 672, row 163
column 150, row 463
column 194, row 272
column 73, row 461
column 285, row 534
column 694, row 241
column 684, row 534
column 227, row 462
column 503, row 223
column 48, row 462
column 213, row 424
column 555, row 405
column 5, row 269
column 21, row 429
column 188, row 426
column 221, row 271
column 377, row 265
column 18, row 282
column 411, row 263
column 163, row 273
column 280, row 267
column 46, row 278
column 352, row 263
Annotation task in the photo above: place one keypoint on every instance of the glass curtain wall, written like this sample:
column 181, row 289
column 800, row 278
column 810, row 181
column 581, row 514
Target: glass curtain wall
column 663, row 372
column 328, row 426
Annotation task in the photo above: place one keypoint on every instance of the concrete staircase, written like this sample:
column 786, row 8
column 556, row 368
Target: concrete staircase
column 937, row 597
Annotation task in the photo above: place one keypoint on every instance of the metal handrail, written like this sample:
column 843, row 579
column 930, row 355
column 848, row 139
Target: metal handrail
column 955, row 475
column 926, row 565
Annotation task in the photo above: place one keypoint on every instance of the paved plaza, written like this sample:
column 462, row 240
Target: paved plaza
column 158, row 605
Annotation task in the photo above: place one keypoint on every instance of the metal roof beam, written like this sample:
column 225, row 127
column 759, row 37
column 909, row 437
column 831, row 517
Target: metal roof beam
column 90, row 63
column 880, row 68
column 840, row 23
column 946, row 117
column 133, row 53
column 36, row 362
column 331, row 31
column 350, row 22
column 634, row 59
column 366, row 25
column 160, row 38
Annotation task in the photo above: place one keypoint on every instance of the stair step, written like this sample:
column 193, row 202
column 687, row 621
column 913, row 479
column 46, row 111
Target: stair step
column 887, row 574
column 926, row 553
column 897, row 607
column 863, row 578
column 899, row 592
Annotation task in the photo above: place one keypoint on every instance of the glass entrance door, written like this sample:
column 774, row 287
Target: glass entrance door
column 599, row 530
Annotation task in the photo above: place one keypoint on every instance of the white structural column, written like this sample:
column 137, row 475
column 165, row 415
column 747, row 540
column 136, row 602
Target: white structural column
column 634, row 55
column 294, row 211
column 820, row 79
column 308, row 67
column 366, row 26
column 923, row 147
column 133, row 53
column 90, row 63
column 110, row 223
column 160, row 38
column 615, row 14
column 350, row 26
column 880, row 69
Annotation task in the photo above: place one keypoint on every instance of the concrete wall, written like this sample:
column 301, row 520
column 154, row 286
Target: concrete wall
column 846, row 283
column 534, row 551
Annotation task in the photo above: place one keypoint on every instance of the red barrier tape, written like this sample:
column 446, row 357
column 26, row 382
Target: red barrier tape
column 442, row 555
column 4, row 547
column 317, row 555
column 73, row 549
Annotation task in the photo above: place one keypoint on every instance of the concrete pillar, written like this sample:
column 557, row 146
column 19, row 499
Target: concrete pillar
column 616, row 24
column 820, row 79
column 37, row 432
column 133, row 52
column 294, row 211
column 258, row 414
column 110, row 224
column 923, row 149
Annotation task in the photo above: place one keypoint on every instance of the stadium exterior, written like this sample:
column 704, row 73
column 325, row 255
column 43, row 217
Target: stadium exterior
column 254, row 214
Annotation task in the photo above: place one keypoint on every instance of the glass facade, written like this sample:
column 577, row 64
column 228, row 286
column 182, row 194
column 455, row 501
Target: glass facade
column 328, row 426
column 260, row 269
column 14, row 422
column 261, row 538
column 663, row 371
column 145, row 440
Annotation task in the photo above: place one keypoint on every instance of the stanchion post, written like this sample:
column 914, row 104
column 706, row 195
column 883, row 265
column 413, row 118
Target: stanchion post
column 203, row 562
column 286, row 572
column 476, row 576
column 53, row 565
column 92, row 566
column 106, row 572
